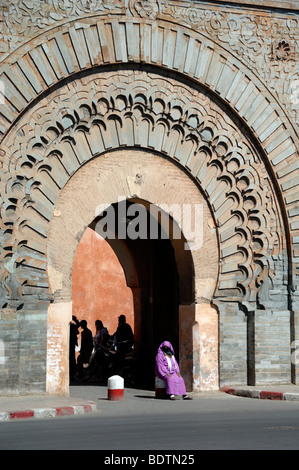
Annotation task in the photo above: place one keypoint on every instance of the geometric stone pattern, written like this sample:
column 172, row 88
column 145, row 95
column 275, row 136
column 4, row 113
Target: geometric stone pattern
column 212, row 88
column 80, row 46
column 267, row 45
column 136, row 109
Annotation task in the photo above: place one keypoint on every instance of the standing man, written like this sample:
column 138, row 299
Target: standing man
column 123, row 337
column 74, row 331
column 86, row 346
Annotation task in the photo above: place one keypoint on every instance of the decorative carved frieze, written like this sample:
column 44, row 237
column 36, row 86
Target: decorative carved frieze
column 267, row 42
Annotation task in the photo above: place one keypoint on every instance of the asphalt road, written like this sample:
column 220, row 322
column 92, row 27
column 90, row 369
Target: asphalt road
column 210, row 422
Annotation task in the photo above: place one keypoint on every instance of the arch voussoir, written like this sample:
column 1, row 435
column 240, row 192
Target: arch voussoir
column 221, row 160
column 91, row 90
column 111, row 42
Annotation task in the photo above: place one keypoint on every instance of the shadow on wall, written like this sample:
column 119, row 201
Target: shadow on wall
column 99, row 289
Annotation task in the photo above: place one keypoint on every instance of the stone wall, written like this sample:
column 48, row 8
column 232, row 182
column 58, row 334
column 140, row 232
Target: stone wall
column 24, row 339
column 272, row 347
column 99, row 287
column 213, row 88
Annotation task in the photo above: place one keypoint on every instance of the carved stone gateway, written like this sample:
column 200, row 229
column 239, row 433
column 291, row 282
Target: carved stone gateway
column 166, row 102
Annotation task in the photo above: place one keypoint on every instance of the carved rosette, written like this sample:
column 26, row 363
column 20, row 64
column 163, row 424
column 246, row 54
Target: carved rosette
column 147, row 8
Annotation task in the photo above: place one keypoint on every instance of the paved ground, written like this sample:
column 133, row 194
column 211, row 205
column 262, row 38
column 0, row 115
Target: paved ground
column 90, row 398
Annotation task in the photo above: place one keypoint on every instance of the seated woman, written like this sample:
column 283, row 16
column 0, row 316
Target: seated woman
column 168, row 370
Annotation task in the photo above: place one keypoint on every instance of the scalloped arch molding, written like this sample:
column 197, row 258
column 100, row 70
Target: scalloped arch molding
column 227, row 131
column 172, row 47
column 110, row 110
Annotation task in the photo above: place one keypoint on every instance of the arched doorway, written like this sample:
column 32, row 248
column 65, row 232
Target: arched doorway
column 166, row 275
column 116, row 81
column 135, row 275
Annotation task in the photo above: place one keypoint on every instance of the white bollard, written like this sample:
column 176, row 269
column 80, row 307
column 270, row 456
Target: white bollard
column 115, row 388
column 160, row 388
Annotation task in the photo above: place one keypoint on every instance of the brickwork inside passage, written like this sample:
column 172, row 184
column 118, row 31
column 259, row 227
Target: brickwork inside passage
column 180, row 102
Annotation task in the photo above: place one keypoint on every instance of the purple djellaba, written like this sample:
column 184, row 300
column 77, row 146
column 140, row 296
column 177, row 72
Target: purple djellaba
column 168, row 370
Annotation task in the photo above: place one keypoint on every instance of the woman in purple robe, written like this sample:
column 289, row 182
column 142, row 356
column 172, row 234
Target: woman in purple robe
column 168, row 370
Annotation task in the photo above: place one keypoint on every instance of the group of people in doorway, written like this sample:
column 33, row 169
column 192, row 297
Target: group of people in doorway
column 166, row 365
column 122, row 337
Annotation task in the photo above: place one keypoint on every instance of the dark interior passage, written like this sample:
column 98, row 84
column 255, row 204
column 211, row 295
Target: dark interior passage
column 159, row 297
column 155, row 294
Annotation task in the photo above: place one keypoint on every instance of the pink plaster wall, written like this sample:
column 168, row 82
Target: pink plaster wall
column 99, row 289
